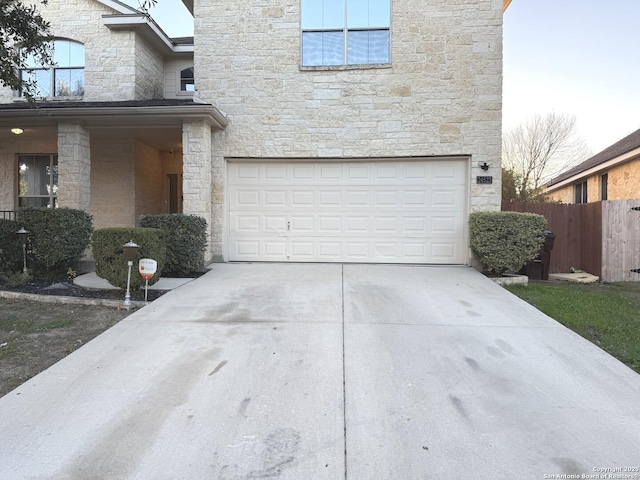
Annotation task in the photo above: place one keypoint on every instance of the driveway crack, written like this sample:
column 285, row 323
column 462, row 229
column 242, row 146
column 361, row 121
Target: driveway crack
column 344, row 382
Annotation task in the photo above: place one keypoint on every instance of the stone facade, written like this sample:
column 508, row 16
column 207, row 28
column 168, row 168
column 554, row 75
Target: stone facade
column 118, row 64
column 440, row 96
column 197, row 179
column 74, row 166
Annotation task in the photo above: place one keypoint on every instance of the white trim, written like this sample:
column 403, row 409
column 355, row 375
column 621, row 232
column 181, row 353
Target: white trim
column 593, row 170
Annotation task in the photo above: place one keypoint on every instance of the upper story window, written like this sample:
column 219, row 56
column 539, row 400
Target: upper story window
column 187, row 80
column 65, row 78
column 604, row 187
column 345, row 32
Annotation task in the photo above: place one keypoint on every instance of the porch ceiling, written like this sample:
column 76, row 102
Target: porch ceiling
column 155, row 122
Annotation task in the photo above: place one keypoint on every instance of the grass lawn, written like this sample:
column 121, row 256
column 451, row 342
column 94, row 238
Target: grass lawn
column 606, row 314
column 34, row 335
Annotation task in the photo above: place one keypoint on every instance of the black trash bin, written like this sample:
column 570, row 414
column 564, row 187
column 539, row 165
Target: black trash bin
column 538, row 268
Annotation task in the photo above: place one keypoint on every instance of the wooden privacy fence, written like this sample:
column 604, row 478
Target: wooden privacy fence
column 602, row 238
column 578, row 231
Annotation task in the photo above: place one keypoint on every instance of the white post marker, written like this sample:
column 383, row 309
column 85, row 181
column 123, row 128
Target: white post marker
column 147, row 268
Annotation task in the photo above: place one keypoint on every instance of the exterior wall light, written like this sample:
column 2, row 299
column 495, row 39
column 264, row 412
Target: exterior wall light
column 17, row 131
column 484, row 165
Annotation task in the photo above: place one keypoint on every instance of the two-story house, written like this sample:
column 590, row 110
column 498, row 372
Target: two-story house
column 306, row 130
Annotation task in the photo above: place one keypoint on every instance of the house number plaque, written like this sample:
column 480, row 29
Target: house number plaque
column 486, row 180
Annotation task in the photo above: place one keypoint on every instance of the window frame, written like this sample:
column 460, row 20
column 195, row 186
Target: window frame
column 52, row 196
column 180, row 80
column 604, row 186
column 581, row 192
column 346, row 30
column 53, row 69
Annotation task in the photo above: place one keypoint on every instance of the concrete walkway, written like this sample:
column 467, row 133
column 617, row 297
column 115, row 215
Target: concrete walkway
column 327, row 372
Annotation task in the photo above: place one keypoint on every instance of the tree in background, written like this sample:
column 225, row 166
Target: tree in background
column 537, row 150
column 24, row 33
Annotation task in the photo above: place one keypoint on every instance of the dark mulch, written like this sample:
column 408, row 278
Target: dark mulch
column 64, row 288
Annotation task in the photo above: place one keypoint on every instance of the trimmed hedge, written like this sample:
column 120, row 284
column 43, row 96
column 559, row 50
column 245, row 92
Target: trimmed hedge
column 10, row 246
column 505, row 240
column 58, row 236
column 109, row 254
column 186, row 240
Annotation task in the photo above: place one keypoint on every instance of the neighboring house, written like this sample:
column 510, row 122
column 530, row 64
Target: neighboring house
column 300, row 130
column 613, row 174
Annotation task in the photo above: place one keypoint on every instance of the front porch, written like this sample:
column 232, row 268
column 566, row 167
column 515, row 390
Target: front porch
column 116, row 160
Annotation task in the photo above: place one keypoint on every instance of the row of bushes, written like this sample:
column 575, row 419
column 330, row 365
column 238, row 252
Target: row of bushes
column 58, row 238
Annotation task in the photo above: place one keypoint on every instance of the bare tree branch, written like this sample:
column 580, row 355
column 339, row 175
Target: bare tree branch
column 539, row 149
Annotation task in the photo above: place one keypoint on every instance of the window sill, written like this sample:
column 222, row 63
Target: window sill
column 339, row 68
column 51, row 99
column 182, row 93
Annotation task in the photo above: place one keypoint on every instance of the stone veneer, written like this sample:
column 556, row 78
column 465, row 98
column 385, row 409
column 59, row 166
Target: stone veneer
column 197, row 179
column 118, row 65
column 74, row 166
column 440, row 96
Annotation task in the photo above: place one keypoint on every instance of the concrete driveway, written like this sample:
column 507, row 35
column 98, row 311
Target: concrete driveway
column 265, row 371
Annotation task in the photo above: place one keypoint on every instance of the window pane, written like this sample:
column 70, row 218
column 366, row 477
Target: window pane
column 368, row 13
column 34, row 175
column 187, row 80
column 322, row 48
column 41, row 79
column 69, row 82
column 368, row 47
column 322, row 14
column 61, row 53
column 76, row 54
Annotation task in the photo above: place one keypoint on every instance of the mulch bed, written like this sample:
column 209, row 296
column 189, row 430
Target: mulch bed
column 66, row 289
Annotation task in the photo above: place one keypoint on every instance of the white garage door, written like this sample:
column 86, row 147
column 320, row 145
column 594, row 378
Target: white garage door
column 379, row 212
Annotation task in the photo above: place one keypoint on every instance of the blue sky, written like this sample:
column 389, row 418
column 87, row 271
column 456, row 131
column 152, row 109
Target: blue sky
column 580, row 57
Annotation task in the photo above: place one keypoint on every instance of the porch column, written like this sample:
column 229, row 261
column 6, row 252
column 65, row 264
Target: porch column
column 196, row 175
column 74, row 166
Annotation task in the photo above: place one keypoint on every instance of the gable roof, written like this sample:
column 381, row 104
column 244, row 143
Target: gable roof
column 618, row 149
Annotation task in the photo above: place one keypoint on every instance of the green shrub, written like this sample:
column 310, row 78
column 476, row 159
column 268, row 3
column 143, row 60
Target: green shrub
column 111, row 263
column 10, row 246
column 58, row 237
column 505, row 240
column 186, row 240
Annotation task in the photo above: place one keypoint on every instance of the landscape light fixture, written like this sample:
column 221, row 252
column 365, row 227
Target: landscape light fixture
column 22, row 235
column 17, row 131
column 130, row 253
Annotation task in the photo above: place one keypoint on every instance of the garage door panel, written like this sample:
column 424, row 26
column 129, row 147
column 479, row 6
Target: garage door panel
column 394, row 212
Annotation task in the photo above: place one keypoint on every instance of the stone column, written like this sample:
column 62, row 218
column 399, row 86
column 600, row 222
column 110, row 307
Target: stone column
column 74, row 166
column 196, row 175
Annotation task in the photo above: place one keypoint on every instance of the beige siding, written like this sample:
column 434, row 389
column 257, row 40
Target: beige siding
column 172, row 68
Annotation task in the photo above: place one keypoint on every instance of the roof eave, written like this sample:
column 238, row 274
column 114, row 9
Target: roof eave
column 631, row 155
column 149, row 30
column 115, row 116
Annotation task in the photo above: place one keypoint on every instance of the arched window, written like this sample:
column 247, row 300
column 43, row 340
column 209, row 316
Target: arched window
column 65, row 78
column 187, row 80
